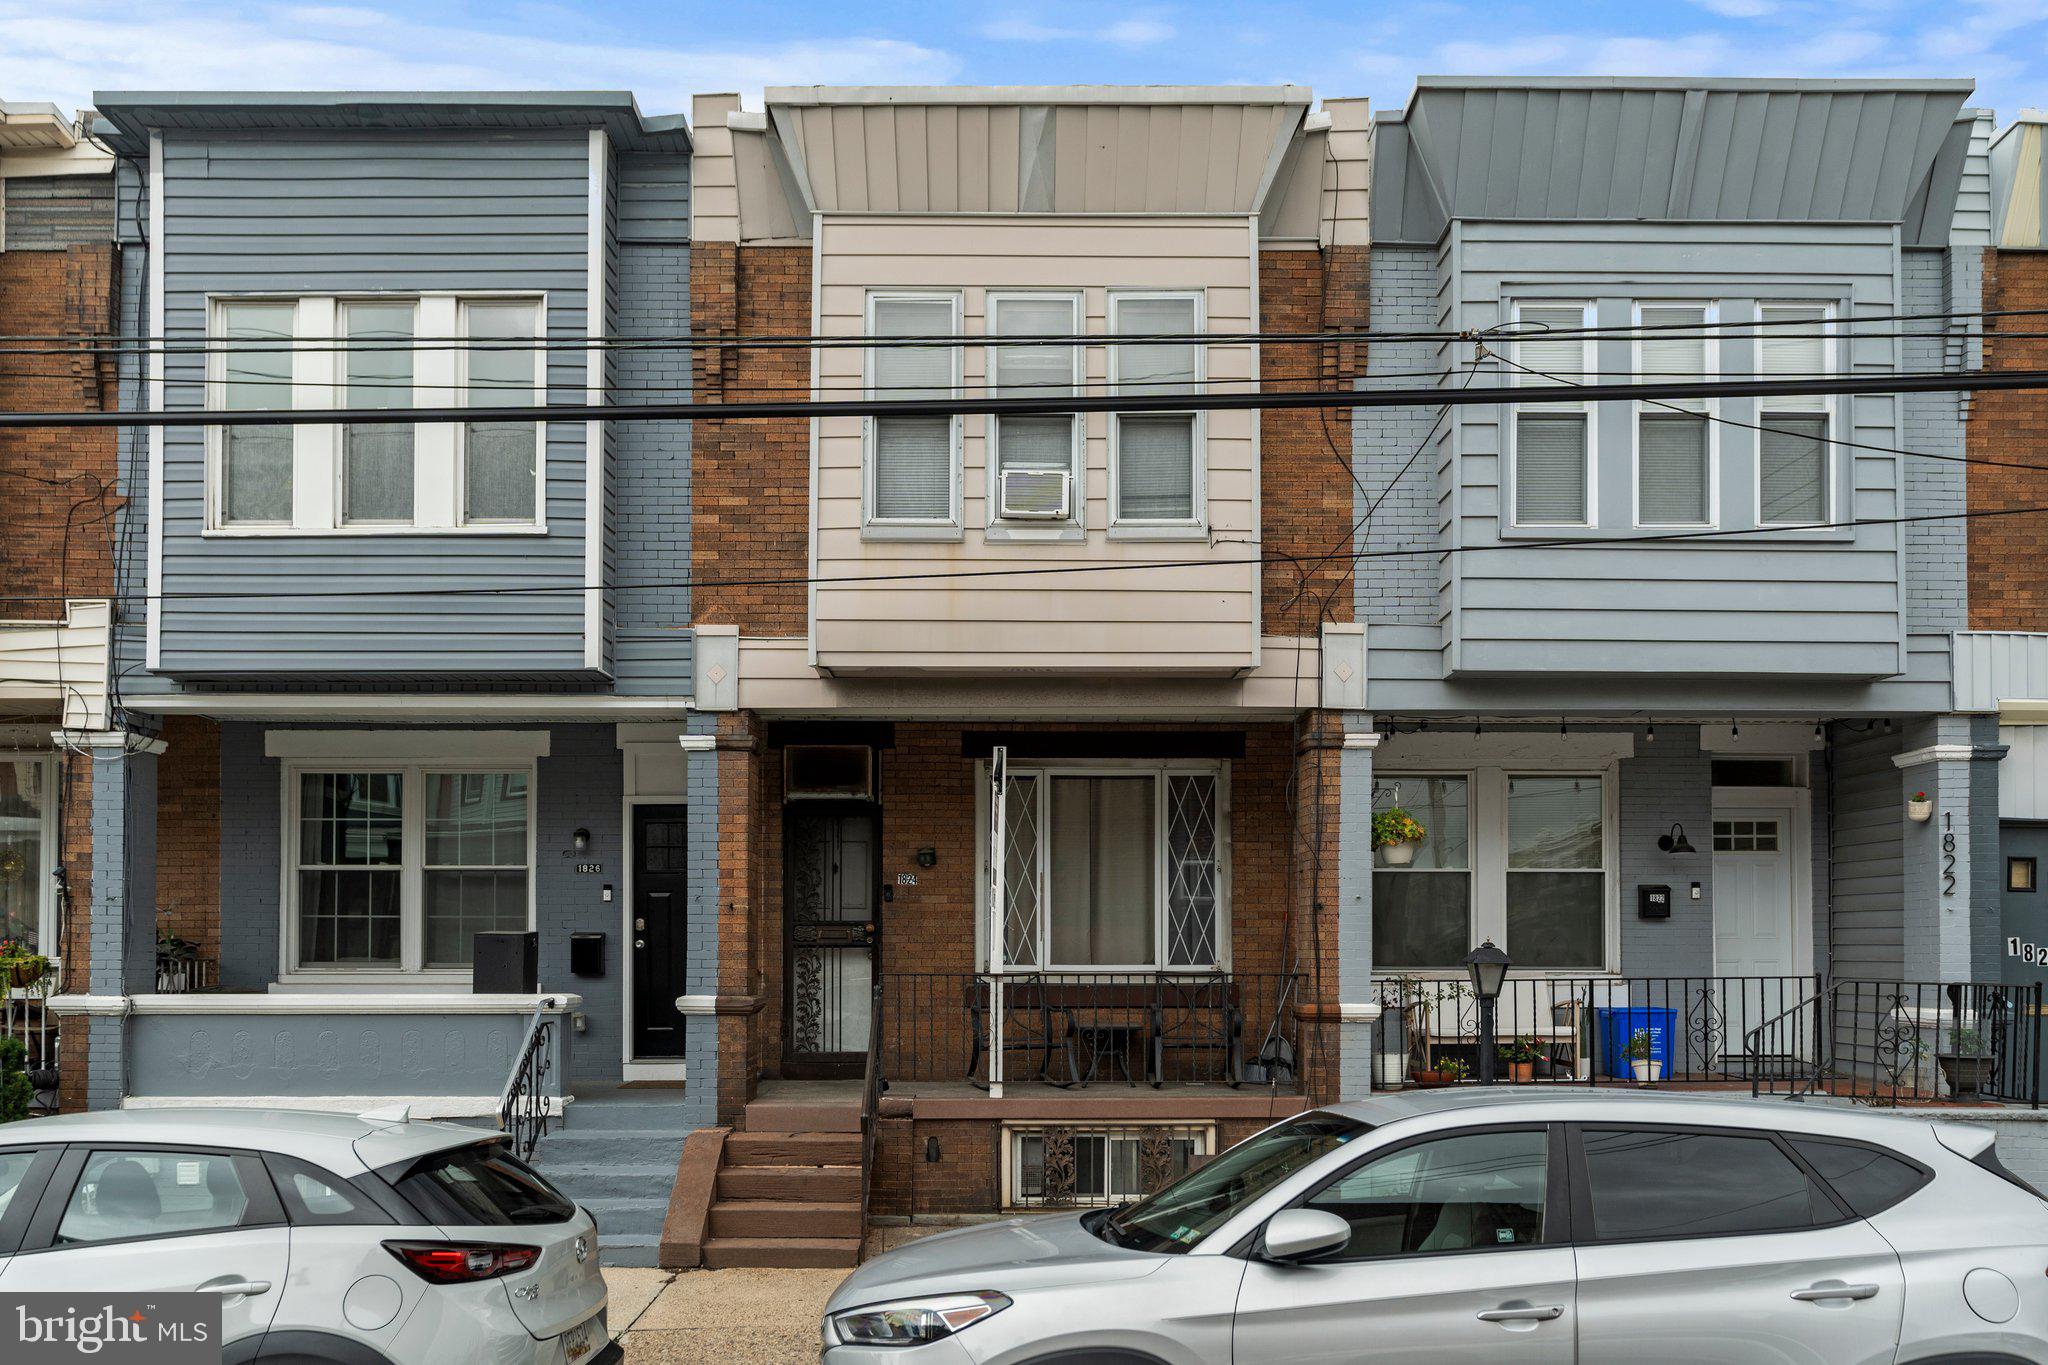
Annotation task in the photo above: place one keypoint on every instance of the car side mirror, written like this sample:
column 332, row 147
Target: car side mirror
column 1304, row 1234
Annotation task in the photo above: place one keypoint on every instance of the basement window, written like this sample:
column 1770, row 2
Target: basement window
column 1047, row 1167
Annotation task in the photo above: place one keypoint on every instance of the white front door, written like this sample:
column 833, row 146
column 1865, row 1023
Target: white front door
column 1756, row 849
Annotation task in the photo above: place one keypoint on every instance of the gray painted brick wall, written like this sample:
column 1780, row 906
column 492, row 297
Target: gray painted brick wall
column 700, row 1032
column 1936, row 551
column 580, row 784
column 651, row 528
column 1400, row 591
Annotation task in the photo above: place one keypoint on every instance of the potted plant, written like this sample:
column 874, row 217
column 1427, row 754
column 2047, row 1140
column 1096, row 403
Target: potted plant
column 1519, row 1056
column 1642, row 1058
column 1395, row 835
column 1965, row 1062
column 1453, row 1070
column 20, row 965
column 1919, row 808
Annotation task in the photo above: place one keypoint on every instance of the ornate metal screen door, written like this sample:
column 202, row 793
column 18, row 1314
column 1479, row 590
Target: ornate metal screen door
column 831, row 890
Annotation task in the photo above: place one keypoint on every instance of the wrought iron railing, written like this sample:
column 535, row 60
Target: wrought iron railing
column 1077, row 1028
column 872, row 1086
column 523, row 1105
column 1581, row 1030
column 26, row 1018
column 1906, row 1042
column 1055, row 1166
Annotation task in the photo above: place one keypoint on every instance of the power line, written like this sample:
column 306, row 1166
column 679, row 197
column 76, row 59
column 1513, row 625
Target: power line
column 1844, row 385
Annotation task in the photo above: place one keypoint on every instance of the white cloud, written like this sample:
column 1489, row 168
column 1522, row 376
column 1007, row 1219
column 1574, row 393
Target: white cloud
column 1144, row 30
column 130, row 45
column 1739, row 9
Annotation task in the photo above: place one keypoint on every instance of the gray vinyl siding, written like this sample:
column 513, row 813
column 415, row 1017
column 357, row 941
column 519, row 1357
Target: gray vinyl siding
column 1866, row 921
column 346, row 212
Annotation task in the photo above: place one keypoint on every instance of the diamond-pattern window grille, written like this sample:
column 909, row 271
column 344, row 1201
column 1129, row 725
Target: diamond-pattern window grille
column 1191, row 873
column 1021, row 891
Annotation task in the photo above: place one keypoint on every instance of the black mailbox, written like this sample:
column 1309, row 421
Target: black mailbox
column 1653, row 902
column 506, row 964
column 586, row 954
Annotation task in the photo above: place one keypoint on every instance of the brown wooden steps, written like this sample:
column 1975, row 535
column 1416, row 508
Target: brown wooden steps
column 774, row 1218
column 787, row 1188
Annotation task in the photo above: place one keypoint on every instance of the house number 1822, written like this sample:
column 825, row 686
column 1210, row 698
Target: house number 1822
column 1948, row 853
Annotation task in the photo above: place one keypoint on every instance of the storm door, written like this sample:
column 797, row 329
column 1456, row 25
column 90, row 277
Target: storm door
column 829, row 890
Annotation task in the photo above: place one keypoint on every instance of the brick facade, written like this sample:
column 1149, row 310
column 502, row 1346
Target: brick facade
column 2008, row 588
column 188, row 832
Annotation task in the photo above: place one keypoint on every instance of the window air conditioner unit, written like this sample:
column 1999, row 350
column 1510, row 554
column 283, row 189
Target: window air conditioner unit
column 1034, row 494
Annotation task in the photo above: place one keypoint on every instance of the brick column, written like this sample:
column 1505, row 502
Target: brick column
column 1357, row 1004
column 1314, row 890
column 740, row 1048
column 123, row 898
column 1952, row 884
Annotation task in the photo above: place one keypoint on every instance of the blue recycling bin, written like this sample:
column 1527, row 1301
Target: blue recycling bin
column 1617, row 1026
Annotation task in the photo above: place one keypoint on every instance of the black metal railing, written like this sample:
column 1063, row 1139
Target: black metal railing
column 1079, row 1028
column 1906, row 1042
column 872, row 1086
column 1581, row 1030
column 26, row 1018
column 524, row 1106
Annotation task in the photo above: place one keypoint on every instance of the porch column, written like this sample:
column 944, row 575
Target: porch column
column 1952, row 883
column 700, row 1021
column 121, row 938
column 1357, row 1006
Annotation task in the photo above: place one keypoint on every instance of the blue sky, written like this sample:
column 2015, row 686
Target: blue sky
column 665, row 51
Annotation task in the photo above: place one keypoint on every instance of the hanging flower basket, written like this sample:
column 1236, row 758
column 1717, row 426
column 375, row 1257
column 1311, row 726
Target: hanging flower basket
column 13, row 862
column 1919, row 809
column 1395, row 836
column 19, row 967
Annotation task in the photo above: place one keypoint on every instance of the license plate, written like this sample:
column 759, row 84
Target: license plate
column 582, row 1341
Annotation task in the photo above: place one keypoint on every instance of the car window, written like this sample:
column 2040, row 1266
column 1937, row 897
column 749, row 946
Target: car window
column 13, row 1171
column 152, row 1194
column 1646, row 1183
column 484, row 1185
column 1467, row 1192
column 1868, row 1180
column 1181, row 1214
column 316, row 1198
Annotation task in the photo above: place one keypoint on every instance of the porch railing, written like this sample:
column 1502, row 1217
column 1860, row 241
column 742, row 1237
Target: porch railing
column 1582, row 1030
column 1906, row 1042
column 1077, row 1028
column 186, row 975
column 26, row 1018
column 872, row 1086
column 523, row 1104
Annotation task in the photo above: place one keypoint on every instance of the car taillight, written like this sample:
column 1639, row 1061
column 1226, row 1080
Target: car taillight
column 462, row 1262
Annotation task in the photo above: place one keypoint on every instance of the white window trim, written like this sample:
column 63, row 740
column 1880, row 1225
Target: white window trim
column 1710, row 351
column 1026, row 531
column 1159, row 770
column 1589, row 364
column 1195, row 527
column 458, row 433
column 1828, row 406
column 47, row 928
column 908, row 528
column 319, row 382
column 1487, row 857
column 412, row 874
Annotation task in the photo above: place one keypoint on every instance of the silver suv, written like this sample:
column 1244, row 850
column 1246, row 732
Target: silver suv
column 1483, row 1225
column 363, row 1240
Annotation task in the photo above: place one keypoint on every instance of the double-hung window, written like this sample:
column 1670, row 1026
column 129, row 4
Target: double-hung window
column 1553, row 442
column 1115, row 867
column 500, row 368
column 1522, row 858
column 377, row 458
column 913, row 461
column 396, row 867
column 1794, row 471
column 254, row 373
column 1675, row 479
column 1157, row 462
column 1040, row 444
column 28, row 849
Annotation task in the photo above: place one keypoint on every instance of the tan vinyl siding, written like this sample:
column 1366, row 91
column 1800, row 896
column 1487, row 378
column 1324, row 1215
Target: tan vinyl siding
column 1194, row 620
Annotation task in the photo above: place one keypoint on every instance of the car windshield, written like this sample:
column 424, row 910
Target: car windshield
column 483, row 1185
column 1183, row 1213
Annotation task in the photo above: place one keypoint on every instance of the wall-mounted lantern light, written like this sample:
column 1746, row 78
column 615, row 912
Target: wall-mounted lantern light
column 1676, row 842
column 580, row 840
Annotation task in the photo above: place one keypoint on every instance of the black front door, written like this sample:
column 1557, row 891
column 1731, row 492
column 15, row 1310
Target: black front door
column 660, row 934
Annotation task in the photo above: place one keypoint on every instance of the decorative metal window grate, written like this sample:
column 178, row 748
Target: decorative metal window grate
column 1056, row 1167
column 1021, row 872
column 1745, row 836
column 1190, row 869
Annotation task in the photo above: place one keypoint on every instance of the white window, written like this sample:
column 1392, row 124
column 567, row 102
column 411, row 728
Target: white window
column 1116, row 867
column 1522, row 858
column 1675, row 446
column 1046, row 444
column 1553, row 442
column 913, row 480
column 395, row 868
column 28, row 851
column 1157, row 459
column 321, row 352
column 1794, row 467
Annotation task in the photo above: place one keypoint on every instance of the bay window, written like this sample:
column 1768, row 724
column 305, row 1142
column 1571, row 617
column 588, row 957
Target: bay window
column 1553, row 442
column 1522, row 858
column 396, row 868
column 1156, row 469
column 1115, row 867
column 913, row 462
column 28, row 850
column 1674, row 442
column 1793, row 464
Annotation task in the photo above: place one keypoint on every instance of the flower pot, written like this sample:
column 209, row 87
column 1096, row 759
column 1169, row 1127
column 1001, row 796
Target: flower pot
column 1521, row 1071
column 1397, row 855
column 1966, row 1075
column 22, row 975
column 1391, row 1071
column 1426, row 1076
column 1920, row 812
column 1648, row 1071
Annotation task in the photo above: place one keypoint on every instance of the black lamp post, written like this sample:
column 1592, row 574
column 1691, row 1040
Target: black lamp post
column 1488, row 968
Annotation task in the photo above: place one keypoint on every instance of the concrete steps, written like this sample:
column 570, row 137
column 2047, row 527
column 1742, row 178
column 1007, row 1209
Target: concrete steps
column 788, row 1188
column 615, row 1154
column 789, row 1253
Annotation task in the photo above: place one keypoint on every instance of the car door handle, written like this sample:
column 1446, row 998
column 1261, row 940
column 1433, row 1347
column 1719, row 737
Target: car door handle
column 1821, row 1293
column 1543, row 1313
column 251, row 1287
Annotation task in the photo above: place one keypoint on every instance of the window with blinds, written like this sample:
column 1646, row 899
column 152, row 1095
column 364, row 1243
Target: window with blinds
column 1039, row 443
column 1551, row 440
column 912, row 458
column 1793, row 464
column 1674, row 480
column 1157, row 471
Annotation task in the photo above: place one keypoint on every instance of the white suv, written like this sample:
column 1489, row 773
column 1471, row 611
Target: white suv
column 365, row 1240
